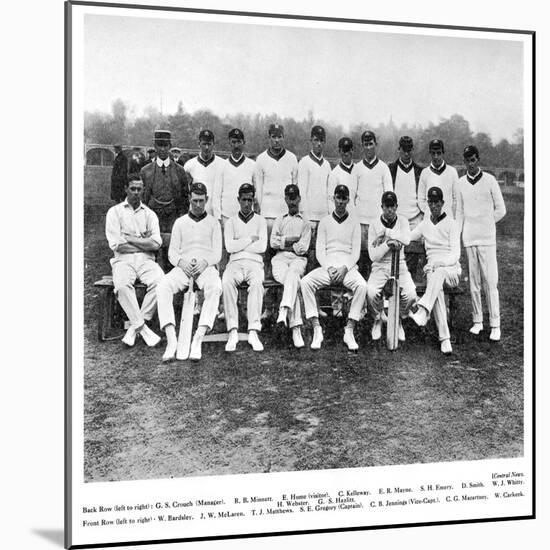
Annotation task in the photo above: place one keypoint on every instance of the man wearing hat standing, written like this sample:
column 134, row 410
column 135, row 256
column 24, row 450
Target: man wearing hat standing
column 372, row 179
column 438, row 174
column 480, row 207
column 405, row 174
column 165, row 191
column 151, row 154
column 195, row 249
column 343, row 173
column 338, row 247
column 388, row 233
column 245, row 238
column 290, row 237
column 442, row 239
column 205, row 166
column 119, row 175
column 133, row 234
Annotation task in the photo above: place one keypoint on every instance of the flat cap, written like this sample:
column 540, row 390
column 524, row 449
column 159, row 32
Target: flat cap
column 235, row 133
column 435, row 194
column 389, row 198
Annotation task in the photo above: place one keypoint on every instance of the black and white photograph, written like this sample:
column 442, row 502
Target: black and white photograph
column 301, row 261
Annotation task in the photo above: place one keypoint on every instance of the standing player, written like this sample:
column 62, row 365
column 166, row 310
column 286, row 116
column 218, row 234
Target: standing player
column 438, row 174
column 372, row 179
column 246, row 240
column 195, row 249
column 290, row 236
column 343, row 173
column 388, row 233
column 405, row 174
column 338, row 247
column 480, row 207
column 442, row 239
column 205, row 166
column 133, row 234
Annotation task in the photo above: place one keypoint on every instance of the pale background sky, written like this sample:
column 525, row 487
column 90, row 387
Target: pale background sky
column 343, row 76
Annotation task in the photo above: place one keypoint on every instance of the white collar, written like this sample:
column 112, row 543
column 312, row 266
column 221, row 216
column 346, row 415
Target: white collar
column 128, row 205
column 161, row 163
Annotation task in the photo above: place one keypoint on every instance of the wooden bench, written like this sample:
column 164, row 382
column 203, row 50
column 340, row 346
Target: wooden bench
column 110, row 317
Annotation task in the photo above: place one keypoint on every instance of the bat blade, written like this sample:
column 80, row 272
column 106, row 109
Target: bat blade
column 392, row 328
column 186, row 324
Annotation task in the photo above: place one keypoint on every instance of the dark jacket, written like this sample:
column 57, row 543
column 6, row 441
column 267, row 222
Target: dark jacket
column 119, row 177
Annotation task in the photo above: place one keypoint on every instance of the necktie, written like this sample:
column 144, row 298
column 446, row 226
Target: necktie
column 163, row 170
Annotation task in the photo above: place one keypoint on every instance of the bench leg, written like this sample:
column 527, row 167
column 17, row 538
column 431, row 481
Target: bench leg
column 105, row 315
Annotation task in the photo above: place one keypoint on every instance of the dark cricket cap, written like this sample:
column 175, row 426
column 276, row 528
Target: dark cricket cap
column 341, row 191
column 435, row 194
column 235, row 133
column 246, row 188
column 406, row 143
column 163, row 136
column 276, row 130
column 368, row 135
column 470, row 150
column 436, row 144
column 319, row 133
column 292, row 191
column 199, row 188
column 206, row 135
column 345, row 144
column 389, row 198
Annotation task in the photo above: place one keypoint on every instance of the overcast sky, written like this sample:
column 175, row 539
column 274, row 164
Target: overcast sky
column 343, row 76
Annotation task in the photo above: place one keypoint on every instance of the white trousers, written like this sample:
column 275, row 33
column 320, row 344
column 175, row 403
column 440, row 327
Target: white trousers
column 288, row 269
column 434, row 297
column 237, row 272
column 483, row 271
column 176, row 281
column 379, row 274
column 319, row 278
column 127, row 269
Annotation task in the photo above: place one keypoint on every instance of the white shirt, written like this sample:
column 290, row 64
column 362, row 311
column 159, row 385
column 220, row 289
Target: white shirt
column 205, row 173
column 161, row 163
column 291, row 226
column 372, row 181
column 442, row 240
column 313, row 181
column 338, row 242
column 447, row 181
column 238, row 242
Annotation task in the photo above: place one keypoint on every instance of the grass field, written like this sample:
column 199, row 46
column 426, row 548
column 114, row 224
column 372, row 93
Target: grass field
column 287, row 410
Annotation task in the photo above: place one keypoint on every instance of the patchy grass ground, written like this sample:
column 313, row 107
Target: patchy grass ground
column 285, row 410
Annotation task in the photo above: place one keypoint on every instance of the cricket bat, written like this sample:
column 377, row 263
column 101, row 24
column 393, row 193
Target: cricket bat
column 186, row 323
column 392, row 328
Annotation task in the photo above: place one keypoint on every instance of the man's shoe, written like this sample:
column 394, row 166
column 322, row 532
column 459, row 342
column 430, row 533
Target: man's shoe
column 495, row 334
column 196, row 349
column 401, row 332
column 317, row 338
column 349, row 340
column 170, row 353
column 130, row 337
column 254, row 341
column 322, row 314
column 446, row 347
column 232, row 341
column 476, row 328
column 282, row 316
column 420, row 317
column 297, row 338
column 376, row 332
column 149, row 337
column 221, row 316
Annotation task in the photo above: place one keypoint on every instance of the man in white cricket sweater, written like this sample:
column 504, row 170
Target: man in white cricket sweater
column 246, row 240
column 388, row 233
column 205, row 166
column 480, row 207
column 438, row 174
column 372, row 179
column 343, row 173
column 195, row 249
column 405, row 174
column 133, row 233
column 442, row 239
column 290, row 237
column 338, row 247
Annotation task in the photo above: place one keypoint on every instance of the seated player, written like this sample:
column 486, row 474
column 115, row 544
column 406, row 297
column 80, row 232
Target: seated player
column 195, row 249
column 290, row 238
column 388, row 233
column 337, row 248
column 442, row 241
column 245, row 237
column 133, row 233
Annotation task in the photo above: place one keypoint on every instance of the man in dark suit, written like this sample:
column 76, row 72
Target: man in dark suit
column 405, row 174
column 119, row 175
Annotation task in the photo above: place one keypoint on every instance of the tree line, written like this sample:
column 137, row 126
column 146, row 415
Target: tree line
column 118, row 127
